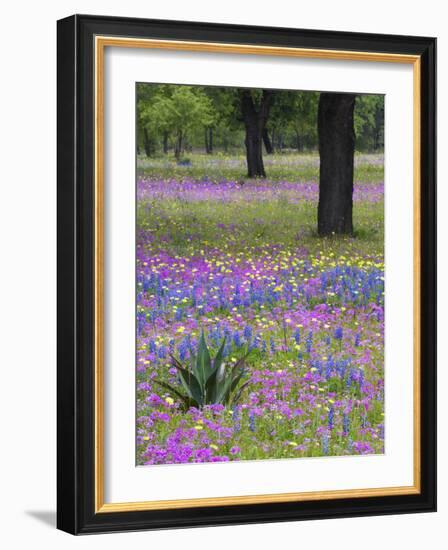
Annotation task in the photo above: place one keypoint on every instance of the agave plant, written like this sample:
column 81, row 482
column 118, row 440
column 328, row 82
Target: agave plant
column 207, row 381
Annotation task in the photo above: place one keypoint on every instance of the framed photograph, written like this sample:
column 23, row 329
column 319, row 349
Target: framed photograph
column 246, row 274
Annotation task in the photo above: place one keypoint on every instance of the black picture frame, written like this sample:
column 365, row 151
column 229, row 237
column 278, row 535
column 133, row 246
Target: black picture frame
column 76, row 264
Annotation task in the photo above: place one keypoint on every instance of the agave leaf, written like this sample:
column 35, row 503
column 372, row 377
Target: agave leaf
column 186, row 400
column 213, row 384
column 208, row 381
column 221, row 377
column 170, row 388
column 237, row 395
column 216, row 376
column 223, row 394
column 237, row 367
column 234, row 381
column 174, row 360
column 220, row 373
column 217, row 361
column 203, row 364
column 227, row 383
column 189, row 381
column 240, row 361
column 191, row 385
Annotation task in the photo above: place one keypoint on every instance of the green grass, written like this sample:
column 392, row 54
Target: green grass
column 239, row 232
column 198, row 226
column 287, row 166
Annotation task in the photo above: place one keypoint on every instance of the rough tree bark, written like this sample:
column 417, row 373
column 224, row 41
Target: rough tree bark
column 165, row 142
column 267, row 142
column 299, row 145
column 273, row 138
column 179, row 144
column 208, row 140
column 255, row 120
column 146, row 142
column 336, row 149
column 280, row 142
column 207, row 148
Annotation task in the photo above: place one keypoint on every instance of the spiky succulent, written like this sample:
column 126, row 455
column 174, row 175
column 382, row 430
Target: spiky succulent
column 207, row 381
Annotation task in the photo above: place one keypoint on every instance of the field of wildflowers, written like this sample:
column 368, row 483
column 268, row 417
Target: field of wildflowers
column 243, row 263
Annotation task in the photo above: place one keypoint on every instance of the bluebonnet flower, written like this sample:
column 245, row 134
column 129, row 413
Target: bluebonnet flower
column 237, row 339
column 264, row 347
column 350, row 378
column 152, row 346
column 309, row 341
column 146, row 284
column 329, row 367
column 361, row 379
column 331, row 418
column 251, row 421
column 183, row 349
column 345, row 424
column 325, row 444
column 364, row 420
column 236, row 419
column 247, row 332
column 141, row 319
column 179, row 314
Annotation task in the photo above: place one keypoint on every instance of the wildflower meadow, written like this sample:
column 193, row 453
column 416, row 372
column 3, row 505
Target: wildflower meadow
column 235, row 287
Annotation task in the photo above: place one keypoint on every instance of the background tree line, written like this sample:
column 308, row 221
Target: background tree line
column 262, row 122
column 177, row 119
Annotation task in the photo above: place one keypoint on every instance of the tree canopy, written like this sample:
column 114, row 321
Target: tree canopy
column 179, row 118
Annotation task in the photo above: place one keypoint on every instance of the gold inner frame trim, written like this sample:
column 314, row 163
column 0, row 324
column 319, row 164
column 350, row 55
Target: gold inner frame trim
column 101, row 42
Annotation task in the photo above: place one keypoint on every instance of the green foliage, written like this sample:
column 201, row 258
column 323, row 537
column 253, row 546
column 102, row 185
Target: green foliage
column 207, row 381
column 304, row 123
column 175, row 117
column 293, row 120
column 175, row 111
column 369, row 122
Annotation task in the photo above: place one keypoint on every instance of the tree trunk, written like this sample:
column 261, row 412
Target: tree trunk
column 146, row 142
column 267, row 142
column 254, row 155
column 336, row 149
column 280, row 142
column 299, row 144
column 165, row 142
column 207, row 147
column 178, row 146
column 255, row 122
column 210, row 140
